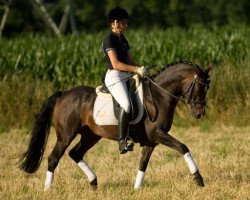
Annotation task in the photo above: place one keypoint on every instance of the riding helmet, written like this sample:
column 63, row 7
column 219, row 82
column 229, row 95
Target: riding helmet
column 117, row 13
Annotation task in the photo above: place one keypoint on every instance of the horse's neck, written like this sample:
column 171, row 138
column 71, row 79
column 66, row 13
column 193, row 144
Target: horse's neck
column 165, row 100
column 170, row 91
column 170, row 85
column 171, row 80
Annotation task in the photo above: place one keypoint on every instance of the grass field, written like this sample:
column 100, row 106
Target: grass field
column 222, row 154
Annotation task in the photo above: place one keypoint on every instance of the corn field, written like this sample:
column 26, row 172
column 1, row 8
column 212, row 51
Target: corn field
column 79, row 60
column 51, row 64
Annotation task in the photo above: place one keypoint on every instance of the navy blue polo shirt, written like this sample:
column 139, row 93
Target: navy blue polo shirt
column 119, row 44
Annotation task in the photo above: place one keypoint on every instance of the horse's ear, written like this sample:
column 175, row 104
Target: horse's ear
column 209, row 67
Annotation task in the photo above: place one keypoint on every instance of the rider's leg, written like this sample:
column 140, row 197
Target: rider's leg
column 116, row 83
column 123, row 123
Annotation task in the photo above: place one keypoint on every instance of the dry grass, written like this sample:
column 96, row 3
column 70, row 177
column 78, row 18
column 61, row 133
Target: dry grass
column 222, row 155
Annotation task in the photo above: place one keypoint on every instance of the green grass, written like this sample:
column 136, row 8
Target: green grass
column 79, row 60
column 35, row 66
column 20, row 98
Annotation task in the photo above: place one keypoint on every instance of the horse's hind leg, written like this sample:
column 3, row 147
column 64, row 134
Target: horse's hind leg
column 88, row 140
column 168, row 140
column 53, row 160
column 146, row 154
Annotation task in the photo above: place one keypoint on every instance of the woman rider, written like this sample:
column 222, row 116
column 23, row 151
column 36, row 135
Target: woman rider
column 120, row 67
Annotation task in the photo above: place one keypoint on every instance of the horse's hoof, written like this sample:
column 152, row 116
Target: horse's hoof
column 94, row 184
column 94, row 187
column 198, row 179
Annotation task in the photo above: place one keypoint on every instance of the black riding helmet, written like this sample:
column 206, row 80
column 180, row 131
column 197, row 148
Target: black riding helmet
column 117, row 13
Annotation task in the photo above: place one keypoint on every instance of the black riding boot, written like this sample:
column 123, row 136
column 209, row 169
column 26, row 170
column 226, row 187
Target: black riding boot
column 123, row 123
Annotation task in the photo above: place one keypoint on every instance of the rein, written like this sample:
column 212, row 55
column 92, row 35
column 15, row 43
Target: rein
column 165, row 91
column 152, row 119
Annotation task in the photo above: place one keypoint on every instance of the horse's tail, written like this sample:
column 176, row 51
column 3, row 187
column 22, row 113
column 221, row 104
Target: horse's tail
column 32, row 158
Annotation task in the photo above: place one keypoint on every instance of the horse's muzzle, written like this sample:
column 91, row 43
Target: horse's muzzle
column 198, row 112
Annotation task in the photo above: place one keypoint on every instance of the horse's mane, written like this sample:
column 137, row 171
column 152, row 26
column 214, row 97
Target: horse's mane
column 163, row 68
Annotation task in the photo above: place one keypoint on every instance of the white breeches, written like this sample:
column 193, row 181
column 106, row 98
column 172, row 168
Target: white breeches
column 116, row 82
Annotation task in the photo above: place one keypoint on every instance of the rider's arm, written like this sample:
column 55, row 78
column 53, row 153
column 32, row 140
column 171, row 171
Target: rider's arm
column 117, row 65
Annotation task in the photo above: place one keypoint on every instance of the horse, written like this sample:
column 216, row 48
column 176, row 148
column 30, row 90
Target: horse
column 72, row 112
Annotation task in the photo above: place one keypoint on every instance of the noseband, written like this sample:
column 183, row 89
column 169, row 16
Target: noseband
column 190, row 99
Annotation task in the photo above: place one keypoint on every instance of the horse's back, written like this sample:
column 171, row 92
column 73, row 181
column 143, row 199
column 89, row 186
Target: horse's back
column 80, row 91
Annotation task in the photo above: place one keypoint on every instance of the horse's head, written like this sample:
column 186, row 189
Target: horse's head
column 194, row 89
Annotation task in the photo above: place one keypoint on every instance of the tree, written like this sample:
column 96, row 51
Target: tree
column 91, row 15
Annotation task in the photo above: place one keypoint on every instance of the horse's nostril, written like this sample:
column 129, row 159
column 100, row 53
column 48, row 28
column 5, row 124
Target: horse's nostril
column 198, row 116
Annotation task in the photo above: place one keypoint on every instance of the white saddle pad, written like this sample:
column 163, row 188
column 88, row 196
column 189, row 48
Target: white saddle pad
column 104, row 110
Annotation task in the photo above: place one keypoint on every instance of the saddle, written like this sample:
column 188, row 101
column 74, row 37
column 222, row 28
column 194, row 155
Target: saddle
column 106, row 108
column 131, row 85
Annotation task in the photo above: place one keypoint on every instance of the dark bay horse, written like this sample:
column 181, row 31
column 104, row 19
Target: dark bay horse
column 73, row 114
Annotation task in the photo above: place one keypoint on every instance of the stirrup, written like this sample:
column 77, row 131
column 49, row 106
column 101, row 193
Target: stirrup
column 124, row 147
column 130, row 146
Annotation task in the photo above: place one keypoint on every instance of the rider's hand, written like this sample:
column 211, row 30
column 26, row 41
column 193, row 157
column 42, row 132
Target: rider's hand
column 141, row 71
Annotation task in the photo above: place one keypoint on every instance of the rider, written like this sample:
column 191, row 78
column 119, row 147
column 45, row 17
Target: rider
column 120, row 67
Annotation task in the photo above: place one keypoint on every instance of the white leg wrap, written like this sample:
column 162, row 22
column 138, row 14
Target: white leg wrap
column 191, row 164
column 49, row 179
column 87, row 170
column 139, row 179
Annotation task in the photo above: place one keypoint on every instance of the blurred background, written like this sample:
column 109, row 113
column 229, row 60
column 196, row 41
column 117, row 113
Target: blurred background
column 50, row 45
column 90, row 16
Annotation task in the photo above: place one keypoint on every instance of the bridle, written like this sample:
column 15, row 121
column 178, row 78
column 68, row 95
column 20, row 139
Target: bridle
column 190, row 99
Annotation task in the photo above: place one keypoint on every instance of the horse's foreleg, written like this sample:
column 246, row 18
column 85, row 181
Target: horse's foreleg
column 146, row 153
column 87, row 141
column 168, row 140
